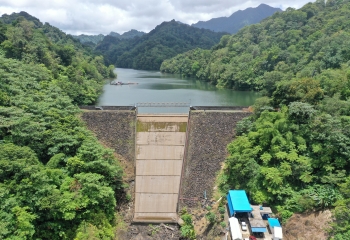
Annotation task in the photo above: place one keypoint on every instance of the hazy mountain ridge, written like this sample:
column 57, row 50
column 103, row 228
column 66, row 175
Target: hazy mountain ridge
column 93, row 40
column 83, row 38
column 127, row 35
column 238, row 19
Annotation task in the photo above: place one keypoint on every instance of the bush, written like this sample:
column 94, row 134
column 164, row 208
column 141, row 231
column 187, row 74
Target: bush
column 222, row 210
column 210, row 217
column 244, row 126
column 188, row 232
column 284, row 214
column 183, row 211
column 223, row 224
column 187, row 218
column 128, row 197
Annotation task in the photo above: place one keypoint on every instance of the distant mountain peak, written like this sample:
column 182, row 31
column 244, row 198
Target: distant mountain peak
column 127, row 35
column 239, row 19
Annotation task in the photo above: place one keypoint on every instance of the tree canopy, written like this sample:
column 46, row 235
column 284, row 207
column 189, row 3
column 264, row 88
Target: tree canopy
column 56, row 180
column 295, row 43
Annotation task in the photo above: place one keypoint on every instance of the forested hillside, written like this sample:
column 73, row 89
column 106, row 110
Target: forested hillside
column 238, row 20
column 148, row 51
column 293, row 153
column 56, row 180
column 293, row 43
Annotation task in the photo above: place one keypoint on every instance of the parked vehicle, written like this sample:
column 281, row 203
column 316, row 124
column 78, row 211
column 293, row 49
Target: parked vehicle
column 244, row 226
column 252, row 238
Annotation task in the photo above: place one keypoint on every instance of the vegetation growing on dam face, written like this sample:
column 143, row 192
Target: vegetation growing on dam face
column 294, row 43
column 56, row 180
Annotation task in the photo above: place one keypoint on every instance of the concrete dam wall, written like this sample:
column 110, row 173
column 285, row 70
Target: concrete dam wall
column 174, row 160
column 160, row 144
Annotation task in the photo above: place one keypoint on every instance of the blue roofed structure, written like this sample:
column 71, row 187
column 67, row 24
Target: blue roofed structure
column 237, row 201
column 273, row 222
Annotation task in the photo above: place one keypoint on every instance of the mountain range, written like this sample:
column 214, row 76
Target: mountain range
column 168, row 39
column 148, row 51
column 237, row 20
column 229, row 24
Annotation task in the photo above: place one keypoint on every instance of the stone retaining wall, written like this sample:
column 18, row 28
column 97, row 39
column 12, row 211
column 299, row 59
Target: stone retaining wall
column 115, row 129
column 209, row 134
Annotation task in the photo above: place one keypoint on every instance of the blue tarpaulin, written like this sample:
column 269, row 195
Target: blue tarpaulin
column 273, row 222
column 259, row 229
column 237, row 201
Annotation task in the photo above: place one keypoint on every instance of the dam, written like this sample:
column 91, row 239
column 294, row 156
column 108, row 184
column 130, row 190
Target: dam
column 170, row 160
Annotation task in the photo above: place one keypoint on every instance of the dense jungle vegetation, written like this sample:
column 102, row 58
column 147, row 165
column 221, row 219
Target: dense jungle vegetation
column 56, row 180
column 148, row 51
column 293, row 153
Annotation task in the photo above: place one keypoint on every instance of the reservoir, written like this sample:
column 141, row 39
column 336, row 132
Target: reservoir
column 155, row 87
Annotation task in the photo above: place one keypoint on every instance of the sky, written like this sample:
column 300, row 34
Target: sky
column 103, row 16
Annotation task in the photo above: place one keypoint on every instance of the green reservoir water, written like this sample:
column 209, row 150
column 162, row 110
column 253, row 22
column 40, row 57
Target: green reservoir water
column 159, row 87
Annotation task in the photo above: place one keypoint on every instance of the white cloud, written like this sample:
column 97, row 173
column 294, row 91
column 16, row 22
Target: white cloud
column 104, row 16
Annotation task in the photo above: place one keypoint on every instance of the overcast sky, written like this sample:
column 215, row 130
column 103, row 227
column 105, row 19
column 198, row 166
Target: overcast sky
column 104, row 16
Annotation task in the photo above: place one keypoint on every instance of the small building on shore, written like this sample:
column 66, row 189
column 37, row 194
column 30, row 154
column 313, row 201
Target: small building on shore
column 237, row 202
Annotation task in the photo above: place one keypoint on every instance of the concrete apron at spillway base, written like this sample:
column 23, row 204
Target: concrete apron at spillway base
column 160, row 145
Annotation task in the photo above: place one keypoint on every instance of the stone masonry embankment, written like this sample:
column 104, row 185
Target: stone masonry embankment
column 115, row 129
column 209, row 134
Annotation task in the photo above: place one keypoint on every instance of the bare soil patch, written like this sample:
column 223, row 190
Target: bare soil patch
column 308, row 226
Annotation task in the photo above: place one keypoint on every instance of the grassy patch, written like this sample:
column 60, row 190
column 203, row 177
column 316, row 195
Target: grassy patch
column 120, row 226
